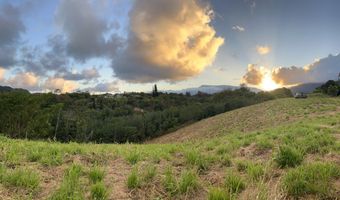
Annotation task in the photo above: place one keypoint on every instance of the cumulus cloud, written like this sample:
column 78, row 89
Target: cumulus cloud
column 168, row 40
column 254, row 75
column 238, row 28
column 321, row 70
column 109, row 87
column 53, row 83
column 84, row 30
column 26, row 80
column 10, row 31
column 263, row 50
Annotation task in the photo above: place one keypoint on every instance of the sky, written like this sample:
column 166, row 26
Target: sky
column 129, row 45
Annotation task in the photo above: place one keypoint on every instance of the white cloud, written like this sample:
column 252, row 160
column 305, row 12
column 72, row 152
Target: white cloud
column 238, row 28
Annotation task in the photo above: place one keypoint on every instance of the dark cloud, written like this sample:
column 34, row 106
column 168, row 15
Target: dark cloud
column 85, row 74
column 10, row 31
column 40, row 61
column 168, row 40
column 85, row 30
column 321, row 70
column 111, row 87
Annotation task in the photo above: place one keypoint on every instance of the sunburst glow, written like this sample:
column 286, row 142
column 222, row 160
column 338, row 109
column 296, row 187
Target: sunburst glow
column 268, row 83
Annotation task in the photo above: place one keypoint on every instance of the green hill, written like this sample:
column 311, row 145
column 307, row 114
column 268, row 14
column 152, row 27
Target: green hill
column 280, row 149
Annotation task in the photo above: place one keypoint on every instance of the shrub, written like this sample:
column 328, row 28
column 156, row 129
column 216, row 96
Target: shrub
column 225, row 161
column 241, row 165
column 255, row 171
column 98, row 191
column 188, row 182
column 264, row 144
column 34, row 155
column 218, row 194
column 52, row 157
column 196, row 159
column 311, row 179
column 133, row 157
column 70, row 187
column 288, row 157
column 150, row 173
column 96, row 175
column 234, row 183
column 22, row 178
column 169, row 182
column 133, row 180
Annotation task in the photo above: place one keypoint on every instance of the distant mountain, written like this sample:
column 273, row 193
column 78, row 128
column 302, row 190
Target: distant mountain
column 4, row 89
column 209, row 89
column 305, row 87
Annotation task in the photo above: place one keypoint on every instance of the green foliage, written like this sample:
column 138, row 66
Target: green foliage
column 234, row 183
column 133, row 180
column 70, row 187
column 21, row 178
column 132, row 117
column 99, row 191
column 188, row 182
column 218, row 194
column 311, row 179
column 96, row 174
column 288, row 157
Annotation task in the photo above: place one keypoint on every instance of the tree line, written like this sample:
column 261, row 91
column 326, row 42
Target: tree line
column 130, row 117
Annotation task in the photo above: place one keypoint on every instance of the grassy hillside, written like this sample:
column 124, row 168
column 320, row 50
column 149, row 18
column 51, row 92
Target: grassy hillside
column 281, row 149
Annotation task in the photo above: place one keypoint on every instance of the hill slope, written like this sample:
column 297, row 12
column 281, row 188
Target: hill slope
column 256, row 117
column 291, row 150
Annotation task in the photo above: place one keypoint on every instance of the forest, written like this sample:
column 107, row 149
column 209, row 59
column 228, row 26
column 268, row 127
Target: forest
column 114, row 118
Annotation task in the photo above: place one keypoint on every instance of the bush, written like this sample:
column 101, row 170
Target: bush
column 96, row 175
column 150, row 173
column 234, row 183
column 218, row 194
column 98, row 191
column 188, row 182
column 311, row 179
column 22, row 178
column 70, row 187
column 133, row 180
column 133, row 157
column 169, row 182
column 288, row 157
column 196, row 159
column 255, row 171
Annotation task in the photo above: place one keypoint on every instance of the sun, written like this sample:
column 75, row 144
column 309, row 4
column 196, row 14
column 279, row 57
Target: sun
column 268, row 83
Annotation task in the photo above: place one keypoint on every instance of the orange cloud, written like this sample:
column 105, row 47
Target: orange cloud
column 65, row 86
column 27, row 80
column 263, row 50
column 2, row 74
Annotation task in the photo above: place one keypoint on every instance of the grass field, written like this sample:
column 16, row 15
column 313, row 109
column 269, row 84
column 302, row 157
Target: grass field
column 283, row 149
